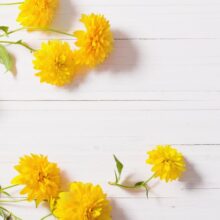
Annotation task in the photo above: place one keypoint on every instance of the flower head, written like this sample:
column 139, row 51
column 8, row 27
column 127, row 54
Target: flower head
column 84, row 202
column 37, row 13
column 168, row 163
column 95, row 44
column 41, row 178
column 55, row 62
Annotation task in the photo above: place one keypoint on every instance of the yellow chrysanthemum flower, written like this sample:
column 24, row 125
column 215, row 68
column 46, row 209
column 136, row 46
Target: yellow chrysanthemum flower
column 41, row 179
column 83, row 202
column 55, row 62
column 96, row 43
column 37, row 13
column 168, row 163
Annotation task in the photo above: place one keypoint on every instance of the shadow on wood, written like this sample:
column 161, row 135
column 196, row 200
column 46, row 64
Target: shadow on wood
column 123, row 59
column 191, row 178
column 63, row 22
column 124, row 56
column 117, row 212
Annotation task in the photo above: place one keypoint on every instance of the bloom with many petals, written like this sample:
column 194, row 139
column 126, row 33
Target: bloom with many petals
column 168, row 164
column 41, row 178
column 55, row 62
column 37, row 13
column 96, row 42
column 83, row 202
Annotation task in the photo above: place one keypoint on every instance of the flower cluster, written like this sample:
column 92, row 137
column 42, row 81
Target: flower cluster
column 167, row 163
column 41, row 180
column 56, row 63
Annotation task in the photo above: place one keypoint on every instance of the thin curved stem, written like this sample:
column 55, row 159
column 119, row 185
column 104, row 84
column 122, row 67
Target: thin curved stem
column 13, row 201
column 123, row 186
column 10, row 213
column 14, row 31
column 149, row 179
column 21, row 43
column 37, row 29
column 59, row 32
column 12, row 3
column 46, row 216
column 8, row 187
column 143, row 185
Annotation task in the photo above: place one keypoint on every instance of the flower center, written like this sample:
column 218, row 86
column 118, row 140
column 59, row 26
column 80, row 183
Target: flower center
column 60, row 61
column 167, row 161
column 93, row 213
column 95, row 38
column 41, row 177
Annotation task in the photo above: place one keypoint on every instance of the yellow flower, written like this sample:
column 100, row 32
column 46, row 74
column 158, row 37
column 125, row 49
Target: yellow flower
column 95, row 44
column 168, row 163
column 37, row 13
column 41, row 179
column 55, row 62
column 83, row 202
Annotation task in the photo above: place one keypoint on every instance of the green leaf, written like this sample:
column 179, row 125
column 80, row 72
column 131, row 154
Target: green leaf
column 5, row 29
column 5, row 58
column 119, row 166
column 141, row 183
column 116, row 177
column 19, row 42
column 6, row 193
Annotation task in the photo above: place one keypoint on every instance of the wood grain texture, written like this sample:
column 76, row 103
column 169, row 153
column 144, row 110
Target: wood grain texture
column 137, row 70
column 160, row 86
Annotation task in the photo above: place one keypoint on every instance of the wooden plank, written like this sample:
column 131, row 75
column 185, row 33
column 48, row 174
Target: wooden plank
column 198, row 206
column 78, row 134
column 176, row 127
column 137, row 70
column 157, row 19
column 97, row 166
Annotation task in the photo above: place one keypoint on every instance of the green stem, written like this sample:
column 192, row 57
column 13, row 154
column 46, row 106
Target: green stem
column 21, row 43
column 13, row 31
column 12, row 3
column 144, row 185
column 59, row 32
column 7, row 187
column 13, row 201
column 46, row 216
column 10, row 213
column 37, row 29
column 122, row 186
column 149, row 179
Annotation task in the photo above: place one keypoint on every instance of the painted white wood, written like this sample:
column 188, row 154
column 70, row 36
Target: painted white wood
column 156, row 19
column 137, row 70
column 160, row 86
column 77, row 135
column 195, row 206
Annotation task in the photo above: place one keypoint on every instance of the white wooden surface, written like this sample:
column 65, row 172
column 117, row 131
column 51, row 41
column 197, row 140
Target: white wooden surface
column 160, row 86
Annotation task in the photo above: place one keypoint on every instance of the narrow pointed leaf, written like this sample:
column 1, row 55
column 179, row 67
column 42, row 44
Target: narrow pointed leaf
column 5, row 58
column 141, row 183
column 116, row 177
column 5, row 29
column 119, row 166
column 6, row 193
